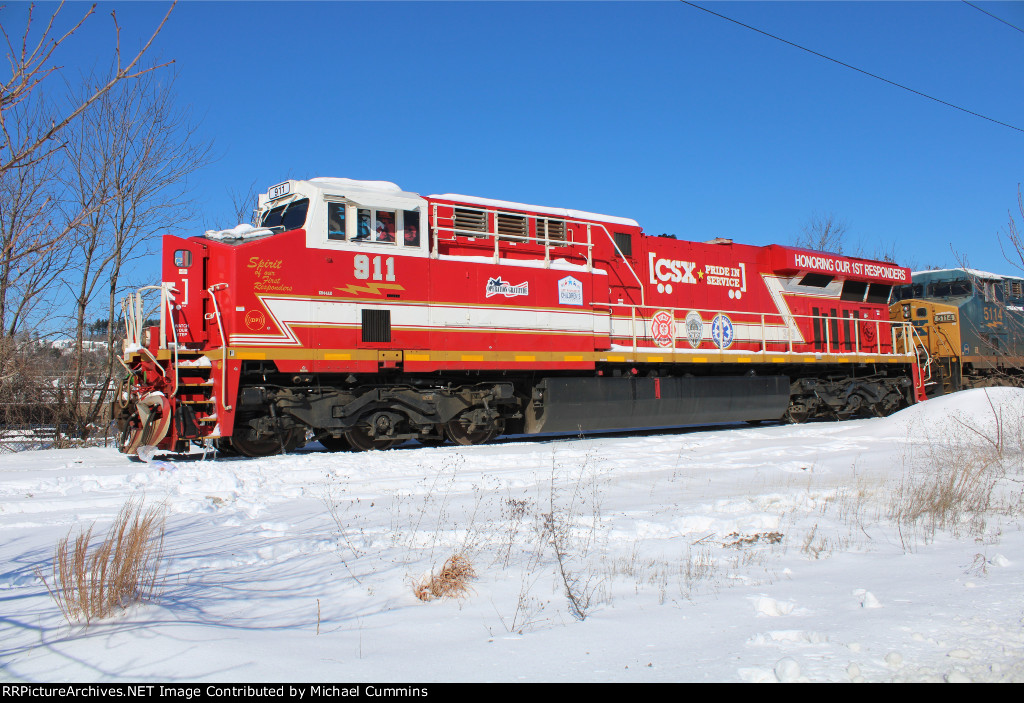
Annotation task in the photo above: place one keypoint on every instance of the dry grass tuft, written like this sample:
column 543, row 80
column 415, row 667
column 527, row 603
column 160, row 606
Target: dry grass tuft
column 92, row 584
column 450, row 582
column 952, row 487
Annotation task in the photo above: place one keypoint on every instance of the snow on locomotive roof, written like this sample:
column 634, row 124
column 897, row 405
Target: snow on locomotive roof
column 348, row 184
column 379, row 194
column 971, row 272
column 560, row 212
column 353, row 183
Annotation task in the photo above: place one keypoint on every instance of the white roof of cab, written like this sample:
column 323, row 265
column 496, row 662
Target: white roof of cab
column 971, row 272
column 371, row 194
column 351, row 183
column 388, row 194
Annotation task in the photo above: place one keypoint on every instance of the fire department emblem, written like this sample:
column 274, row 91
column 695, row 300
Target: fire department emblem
column 694, row 328
column 255, row 320
column 722, row 332
column 663, row 328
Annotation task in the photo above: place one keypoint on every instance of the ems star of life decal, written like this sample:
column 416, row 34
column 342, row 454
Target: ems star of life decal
column 722, row 332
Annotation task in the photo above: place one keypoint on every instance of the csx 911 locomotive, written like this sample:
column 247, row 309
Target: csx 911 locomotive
column 970, row 322
column 364, row 316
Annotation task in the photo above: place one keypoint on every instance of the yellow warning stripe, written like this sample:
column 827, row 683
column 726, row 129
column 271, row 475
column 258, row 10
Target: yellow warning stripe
column 706, row 356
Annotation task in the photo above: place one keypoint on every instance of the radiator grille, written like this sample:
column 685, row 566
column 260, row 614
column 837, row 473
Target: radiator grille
column 512, row 226
column 473, row 220
column 550, row 230
column 376, row 325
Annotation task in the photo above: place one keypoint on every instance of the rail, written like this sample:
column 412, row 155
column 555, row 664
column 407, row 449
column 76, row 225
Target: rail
column 212, row 290
column 548, row 243
column 134, row 319
column 770, row 332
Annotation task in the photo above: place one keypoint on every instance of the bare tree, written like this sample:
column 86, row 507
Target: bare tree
column 31, row 64
column 36, row 219
column 244, row 204
column 133, row 151
column 30, row 256
column 1012, row 240
column 823, row 233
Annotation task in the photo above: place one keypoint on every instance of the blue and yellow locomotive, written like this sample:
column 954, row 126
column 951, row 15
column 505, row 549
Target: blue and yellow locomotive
column 972, row 324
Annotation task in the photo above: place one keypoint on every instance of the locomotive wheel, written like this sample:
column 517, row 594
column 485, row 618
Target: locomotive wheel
column 854, row 408
column 268, row 446
column 795, row 416
column 224, row 448
column 458, row 431
column 361, row 440
column 875, row 409
column 256, row 447
column 334, row 444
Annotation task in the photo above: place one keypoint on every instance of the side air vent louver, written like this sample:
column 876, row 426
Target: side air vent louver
column 550, row 230
column 376, row 325
column 471, row 220
column 512, row 226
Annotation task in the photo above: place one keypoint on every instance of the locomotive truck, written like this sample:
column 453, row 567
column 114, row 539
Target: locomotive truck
column 362, row 315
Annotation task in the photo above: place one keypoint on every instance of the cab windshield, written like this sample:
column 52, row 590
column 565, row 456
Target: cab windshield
column 914, row 290
column 286, row 217
column 949, row 289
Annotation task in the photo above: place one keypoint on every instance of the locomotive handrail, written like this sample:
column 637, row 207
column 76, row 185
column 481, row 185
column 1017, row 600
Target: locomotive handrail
column 924, row 347
column 762, row 320
column 165, row 294
column 643, row 298
column 548, row 246
column 498, row 237
column 212, row 290
column 436, row 230
column 133, row 321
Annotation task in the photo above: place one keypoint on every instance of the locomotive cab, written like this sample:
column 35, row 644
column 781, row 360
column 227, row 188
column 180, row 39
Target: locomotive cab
column 344, row 214
column 972, row 323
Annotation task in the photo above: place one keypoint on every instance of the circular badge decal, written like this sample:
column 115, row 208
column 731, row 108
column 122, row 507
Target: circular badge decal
column 694, row 328
column 721, row 331
column 255, row 320
column 663, row 328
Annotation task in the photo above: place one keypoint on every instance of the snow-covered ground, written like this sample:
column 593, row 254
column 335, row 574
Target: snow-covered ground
column 727, row 554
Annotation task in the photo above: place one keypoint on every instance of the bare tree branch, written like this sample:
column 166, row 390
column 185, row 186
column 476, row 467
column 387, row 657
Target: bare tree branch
column 823, row 233
column 28, row 71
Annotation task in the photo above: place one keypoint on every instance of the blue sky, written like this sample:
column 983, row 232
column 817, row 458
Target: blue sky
column 652, row 110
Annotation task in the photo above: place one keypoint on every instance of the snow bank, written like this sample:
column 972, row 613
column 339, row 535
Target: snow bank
column 735, row 554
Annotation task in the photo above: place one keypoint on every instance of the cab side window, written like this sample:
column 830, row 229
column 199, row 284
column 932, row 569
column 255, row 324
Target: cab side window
column 384, row 228
column 364, row 228
column 349, row 222
column 411, row 228
column 336, row 221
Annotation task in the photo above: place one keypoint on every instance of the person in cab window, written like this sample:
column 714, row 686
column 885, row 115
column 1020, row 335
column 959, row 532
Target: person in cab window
column 412, row 234
column 386, row 227
column 335, row 221
column 364, row 225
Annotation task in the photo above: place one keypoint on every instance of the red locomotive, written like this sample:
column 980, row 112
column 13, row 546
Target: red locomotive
column 364, row 316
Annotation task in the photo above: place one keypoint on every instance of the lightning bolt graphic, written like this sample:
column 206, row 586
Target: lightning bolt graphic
column 370, row 288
